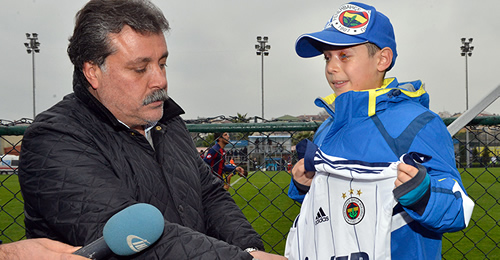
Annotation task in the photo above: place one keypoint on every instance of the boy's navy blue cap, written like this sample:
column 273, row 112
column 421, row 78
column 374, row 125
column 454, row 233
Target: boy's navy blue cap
column 354, row 23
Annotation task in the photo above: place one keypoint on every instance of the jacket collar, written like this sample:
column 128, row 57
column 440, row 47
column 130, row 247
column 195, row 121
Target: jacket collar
column 369, row 102
column 80, row 87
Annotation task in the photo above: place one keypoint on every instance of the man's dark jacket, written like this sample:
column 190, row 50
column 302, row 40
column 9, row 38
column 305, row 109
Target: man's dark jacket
column 79, row 166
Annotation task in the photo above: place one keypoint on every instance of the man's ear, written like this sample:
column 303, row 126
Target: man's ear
column 91, row 72
column 385, row 59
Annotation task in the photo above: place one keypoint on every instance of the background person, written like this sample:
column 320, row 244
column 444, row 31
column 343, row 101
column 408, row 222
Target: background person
column 118, row 140
column 216, row 158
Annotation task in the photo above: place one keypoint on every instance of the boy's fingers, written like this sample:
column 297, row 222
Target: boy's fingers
column 408, row 169
column 405, row 173
column 310, row 175
column 403, row 177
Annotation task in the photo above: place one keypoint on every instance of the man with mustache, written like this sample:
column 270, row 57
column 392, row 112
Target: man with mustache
column 119, row 140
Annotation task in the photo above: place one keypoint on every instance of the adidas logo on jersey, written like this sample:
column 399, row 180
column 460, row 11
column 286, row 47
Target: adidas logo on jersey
column 321, row 217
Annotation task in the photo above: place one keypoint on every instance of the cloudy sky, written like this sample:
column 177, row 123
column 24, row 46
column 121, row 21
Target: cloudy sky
column 213, row 68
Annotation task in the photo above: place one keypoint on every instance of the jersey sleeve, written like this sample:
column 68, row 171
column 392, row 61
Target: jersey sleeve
column 211, row 154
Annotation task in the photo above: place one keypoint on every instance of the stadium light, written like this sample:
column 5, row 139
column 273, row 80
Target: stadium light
column 32, row 47
column 262, row 50
column 466, row 51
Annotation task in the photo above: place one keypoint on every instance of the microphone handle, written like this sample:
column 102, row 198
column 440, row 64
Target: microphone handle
column 96, row 250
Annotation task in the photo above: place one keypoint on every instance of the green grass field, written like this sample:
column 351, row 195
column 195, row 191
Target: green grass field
column 264, row 201
column 11, row 209
column 480, row 240
column 262, row 198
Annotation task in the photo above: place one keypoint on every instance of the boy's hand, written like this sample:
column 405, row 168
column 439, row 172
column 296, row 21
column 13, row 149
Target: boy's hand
column 300, row 175
column 405, row 173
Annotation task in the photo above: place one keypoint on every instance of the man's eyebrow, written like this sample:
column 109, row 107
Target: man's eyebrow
column 145, row 59
column 139, row 61
column 165, row 55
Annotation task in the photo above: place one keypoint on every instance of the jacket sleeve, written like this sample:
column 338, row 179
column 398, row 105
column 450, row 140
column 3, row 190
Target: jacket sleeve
column 225, row 219
column 80, row 192
column 294, row 193
column 228, row 232
column 448, row 207
column 179, row 242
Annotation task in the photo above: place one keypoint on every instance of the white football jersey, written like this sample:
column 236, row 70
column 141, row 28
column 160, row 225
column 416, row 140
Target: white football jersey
column 347, row 212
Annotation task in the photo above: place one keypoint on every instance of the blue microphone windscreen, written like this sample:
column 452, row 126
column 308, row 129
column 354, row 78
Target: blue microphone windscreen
column 133, row 229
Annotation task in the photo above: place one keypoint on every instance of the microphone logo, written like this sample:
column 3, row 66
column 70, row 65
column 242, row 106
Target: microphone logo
column 136, row 243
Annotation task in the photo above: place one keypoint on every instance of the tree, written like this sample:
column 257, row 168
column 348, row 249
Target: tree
column 205, row 142
column 485, row 156
column 239, row 118
column 475, row 154
column 297, row 137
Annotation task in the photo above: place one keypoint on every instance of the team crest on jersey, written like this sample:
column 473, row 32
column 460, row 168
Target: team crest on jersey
column 353, row 210
column 350, row 19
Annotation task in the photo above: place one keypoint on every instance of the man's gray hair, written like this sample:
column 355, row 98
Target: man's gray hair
column 98, row 18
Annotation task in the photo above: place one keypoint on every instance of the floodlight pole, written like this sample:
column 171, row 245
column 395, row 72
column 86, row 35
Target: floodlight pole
column 32, row 47
column 466, row 51
column 262, row 50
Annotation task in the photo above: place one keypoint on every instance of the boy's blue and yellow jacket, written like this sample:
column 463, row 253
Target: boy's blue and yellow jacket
column 380, row 125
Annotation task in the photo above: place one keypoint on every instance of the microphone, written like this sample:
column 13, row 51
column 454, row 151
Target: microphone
column 127, row 232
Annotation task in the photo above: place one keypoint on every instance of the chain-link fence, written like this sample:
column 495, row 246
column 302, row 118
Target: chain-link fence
column 266, row 152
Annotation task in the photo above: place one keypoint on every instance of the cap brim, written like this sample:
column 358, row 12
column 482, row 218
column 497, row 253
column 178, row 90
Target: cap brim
column 309, row 45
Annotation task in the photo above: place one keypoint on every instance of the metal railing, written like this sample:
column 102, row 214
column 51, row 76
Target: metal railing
column 265, row 151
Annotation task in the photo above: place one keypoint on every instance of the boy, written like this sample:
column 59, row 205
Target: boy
column 373, row 119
